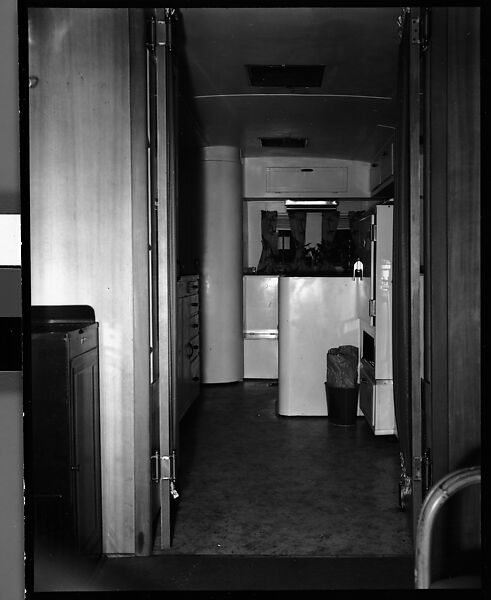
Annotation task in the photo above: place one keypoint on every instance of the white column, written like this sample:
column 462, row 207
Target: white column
column 221, row 348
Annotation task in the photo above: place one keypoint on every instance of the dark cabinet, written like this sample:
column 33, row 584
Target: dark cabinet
column 66, row 474
column 188, row 359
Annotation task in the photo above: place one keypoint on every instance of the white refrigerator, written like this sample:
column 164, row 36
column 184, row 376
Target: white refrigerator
column 260, row 326
column 376, row 379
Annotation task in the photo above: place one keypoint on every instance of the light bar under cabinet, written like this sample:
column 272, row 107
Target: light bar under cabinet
column 311, row 204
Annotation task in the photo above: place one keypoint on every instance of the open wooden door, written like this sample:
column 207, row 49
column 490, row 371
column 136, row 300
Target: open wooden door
column 407, row 280
column 162, row 249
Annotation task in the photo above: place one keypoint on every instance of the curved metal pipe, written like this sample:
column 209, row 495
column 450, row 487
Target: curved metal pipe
column 436, row 498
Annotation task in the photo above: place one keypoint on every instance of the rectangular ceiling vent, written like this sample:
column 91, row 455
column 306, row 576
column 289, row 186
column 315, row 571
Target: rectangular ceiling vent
column 288, row 76
column 283, row 142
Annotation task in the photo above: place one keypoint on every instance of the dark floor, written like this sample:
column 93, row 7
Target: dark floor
column 267, row 503
column 254, row 483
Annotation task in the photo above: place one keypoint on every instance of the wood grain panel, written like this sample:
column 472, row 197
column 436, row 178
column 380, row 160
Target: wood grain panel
column 464, row 322
column 81, row 215
column 141, row 316
column 436, row 269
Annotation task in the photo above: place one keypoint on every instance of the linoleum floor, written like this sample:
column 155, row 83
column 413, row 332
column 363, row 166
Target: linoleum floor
column 255, row 483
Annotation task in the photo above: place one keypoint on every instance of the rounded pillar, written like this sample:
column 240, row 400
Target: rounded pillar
column 222, row 346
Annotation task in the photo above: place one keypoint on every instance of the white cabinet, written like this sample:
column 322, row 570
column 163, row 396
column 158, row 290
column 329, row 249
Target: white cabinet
column 376, row 385
column 315, row 315
column 382, row 168
column 188, row 358
column 310, row 179
column 377, row 402
column 260, row 326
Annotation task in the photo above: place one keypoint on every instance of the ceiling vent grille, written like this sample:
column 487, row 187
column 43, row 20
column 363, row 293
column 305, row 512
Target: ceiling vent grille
column 283, row 142
column 288, row 76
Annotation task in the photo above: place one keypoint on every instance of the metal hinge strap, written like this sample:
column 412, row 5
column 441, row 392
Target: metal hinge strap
column 163, row 28
column 161, row 33
column 371, row 307
column 150, row 43
column 155, row 467
column 415, row 37
column 425, row 27
column 417, row 468
column 168, row 467
column 373, row 233
column 428, row 469
column 163, row 467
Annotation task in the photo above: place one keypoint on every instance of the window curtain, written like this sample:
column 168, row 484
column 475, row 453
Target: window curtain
column 269, row 238
column 297, row 225
column 401, row 329
column 354, row 217
column 330, row 222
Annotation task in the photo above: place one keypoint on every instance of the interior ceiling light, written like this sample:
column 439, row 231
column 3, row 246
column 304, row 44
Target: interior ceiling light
column 283, row 142
column 289, row 76
column 311, row 204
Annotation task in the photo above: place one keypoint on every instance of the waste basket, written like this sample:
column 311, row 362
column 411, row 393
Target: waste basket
column 342, row 404
column 341, row 385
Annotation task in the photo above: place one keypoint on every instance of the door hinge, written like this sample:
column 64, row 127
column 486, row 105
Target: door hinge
column 427, row 470
column 160, row 29
column 420, row 30
column 373, row 233
column 417, row 468
column 162, row 37
column 415, row 36
column 163, row 467
column 371, row 308
column 425, row 26
column 168, row 467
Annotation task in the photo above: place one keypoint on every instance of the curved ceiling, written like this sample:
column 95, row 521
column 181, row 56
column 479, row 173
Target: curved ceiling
column 349, row 116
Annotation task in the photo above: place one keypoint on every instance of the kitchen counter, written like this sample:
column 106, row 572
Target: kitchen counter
column 315, row 314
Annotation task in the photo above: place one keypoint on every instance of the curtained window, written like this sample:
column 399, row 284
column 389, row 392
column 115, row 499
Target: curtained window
column 269, row 239
column 330, row 221
column 297, row 225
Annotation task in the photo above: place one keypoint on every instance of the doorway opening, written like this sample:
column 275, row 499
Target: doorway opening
column 251, row 480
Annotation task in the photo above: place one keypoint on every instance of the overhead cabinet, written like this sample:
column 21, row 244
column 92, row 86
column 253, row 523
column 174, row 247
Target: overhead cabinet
column 306, row 179
column 382, row 168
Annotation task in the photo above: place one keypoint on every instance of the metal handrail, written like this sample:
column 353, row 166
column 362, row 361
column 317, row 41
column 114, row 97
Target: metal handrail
column 436, row 498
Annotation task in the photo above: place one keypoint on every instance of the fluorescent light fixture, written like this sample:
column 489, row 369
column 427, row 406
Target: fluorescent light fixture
column 310, row 204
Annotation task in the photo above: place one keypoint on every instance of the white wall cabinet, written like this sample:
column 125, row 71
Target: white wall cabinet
column 303, row 177
column 382, row 168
